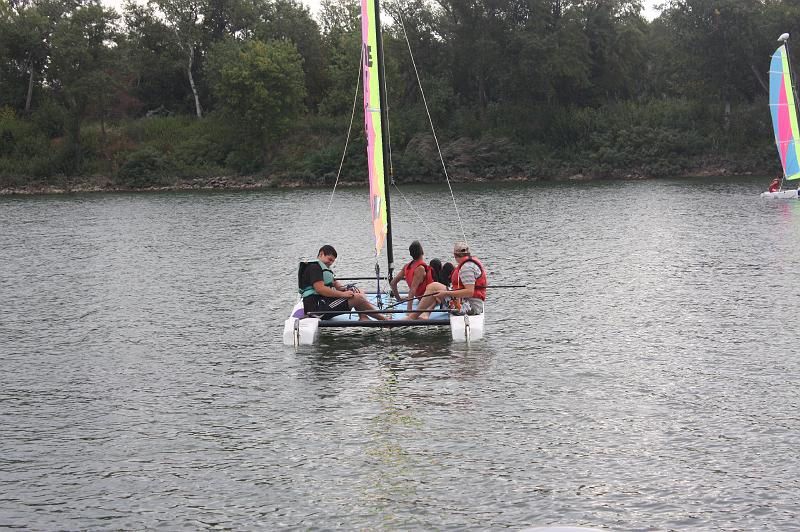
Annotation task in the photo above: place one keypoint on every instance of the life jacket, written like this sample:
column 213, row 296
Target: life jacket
column 410, row 268
column 775, row 185
column 327, row 278
column 480, row 281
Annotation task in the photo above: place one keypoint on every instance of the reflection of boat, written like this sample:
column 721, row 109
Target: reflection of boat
column 302, row 329
column 783, row 107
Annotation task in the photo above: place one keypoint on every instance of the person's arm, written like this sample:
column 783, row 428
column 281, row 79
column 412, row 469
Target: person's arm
column 327, row 291
column 393, row 284
column 467, row 275
column 467, row 291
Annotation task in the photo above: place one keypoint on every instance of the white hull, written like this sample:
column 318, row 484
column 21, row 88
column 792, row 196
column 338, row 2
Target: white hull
column 300, row 330
column 781, row 194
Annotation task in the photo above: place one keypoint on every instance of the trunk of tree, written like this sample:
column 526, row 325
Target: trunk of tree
column 760, row 79
column 727, row 117
column 197, row 107
column 29, row 96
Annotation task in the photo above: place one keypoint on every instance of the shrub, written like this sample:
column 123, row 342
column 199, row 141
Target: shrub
column 145, row 167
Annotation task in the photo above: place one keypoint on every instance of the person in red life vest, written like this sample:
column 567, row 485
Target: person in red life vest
column 776, row 184
column 417, row 275
column 468, row 286
column 322, row 292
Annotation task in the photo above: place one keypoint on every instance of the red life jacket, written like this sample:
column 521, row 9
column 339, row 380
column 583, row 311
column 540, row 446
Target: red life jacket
column 775, row 185
column 480, row 282
column 408, row 271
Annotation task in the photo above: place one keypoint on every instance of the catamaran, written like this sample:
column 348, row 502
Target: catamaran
column 783, row 107
column 300, row 329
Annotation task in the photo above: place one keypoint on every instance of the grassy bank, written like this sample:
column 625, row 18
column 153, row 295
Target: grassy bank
column 621, row 141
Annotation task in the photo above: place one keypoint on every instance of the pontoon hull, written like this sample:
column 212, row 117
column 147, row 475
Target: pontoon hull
column 301, row 330
column 781, row 194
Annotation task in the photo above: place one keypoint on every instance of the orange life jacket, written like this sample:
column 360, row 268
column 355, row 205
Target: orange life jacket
column 408, row 271
column 480, row 282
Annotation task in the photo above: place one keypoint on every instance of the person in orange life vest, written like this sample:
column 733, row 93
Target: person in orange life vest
column 776, row 184
column 468, row 285
column 417, row 275
column 322, row 292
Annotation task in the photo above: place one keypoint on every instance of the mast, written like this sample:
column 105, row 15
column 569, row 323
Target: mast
column 387, row 179
column 785, row 39
column 376, row 131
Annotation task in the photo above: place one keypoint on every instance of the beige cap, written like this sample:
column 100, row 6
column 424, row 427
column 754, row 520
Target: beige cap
column 460, row 247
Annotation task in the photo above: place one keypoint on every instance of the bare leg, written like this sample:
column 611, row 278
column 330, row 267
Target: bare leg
column 359, row 302
column 428, row 301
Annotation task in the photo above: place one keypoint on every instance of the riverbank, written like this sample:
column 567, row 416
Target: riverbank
column 77, row 185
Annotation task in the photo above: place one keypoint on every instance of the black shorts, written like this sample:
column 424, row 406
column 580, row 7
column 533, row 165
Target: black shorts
column 316, row 303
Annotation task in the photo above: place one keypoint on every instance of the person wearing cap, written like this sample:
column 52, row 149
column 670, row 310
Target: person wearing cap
column 468, row 290
column 417, row 274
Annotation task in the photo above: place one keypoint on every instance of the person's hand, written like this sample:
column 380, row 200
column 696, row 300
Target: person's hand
column 349, row 293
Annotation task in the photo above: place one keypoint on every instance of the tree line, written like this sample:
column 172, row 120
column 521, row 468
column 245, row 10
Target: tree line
column 177, row 90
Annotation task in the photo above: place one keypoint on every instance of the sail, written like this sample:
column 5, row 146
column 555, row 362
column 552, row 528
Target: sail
column 372, row 121
column 784, row 112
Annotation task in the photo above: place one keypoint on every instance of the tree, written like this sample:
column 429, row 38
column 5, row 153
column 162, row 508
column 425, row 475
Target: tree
column 80, row 65
column 259, row 85
column 290, row 20
column 183, row 18
column 155, row 62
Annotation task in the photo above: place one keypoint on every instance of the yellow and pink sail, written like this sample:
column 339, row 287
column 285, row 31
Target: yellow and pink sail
column 782, row 105
column 372, row 122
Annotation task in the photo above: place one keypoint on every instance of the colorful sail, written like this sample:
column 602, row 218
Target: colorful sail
column 784, row 113
column 372, row 122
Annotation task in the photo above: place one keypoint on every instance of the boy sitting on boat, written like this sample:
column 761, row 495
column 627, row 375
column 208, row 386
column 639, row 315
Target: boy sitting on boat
column 321, row 292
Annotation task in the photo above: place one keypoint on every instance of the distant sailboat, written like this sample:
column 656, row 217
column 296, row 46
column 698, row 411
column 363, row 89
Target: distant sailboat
column 783, row 107
column 300, row 329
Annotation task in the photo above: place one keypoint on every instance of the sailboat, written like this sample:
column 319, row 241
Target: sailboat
column 783, row 107
column 300, row 329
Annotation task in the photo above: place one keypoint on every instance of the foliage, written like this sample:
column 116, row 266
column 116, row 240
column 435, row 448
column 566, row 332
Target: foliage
column 539, row 88
column 261, row 88
column 145, row 167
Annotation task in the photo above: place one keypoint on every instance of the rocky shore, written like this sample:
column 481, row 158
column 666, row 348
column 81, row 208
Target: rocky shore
column 77, row 185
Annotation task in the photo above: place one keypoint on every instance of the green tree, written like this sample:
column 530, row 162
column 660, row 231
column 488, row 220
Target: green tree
column 80, row 67
column 183, row 17
column 290, row 20
column 260, row 87
column 156, row 64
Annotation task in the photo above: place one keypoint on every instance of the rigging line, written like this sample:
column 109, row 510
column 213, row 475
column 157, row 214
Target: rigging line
column 386, row 114
column 349, row 131
column 430, row 231
column 433, row 130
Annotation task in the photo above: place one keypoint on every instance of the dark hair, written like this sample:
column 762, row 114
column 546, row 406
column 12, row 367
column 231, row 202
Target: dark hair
column 436, row 266
column 446, row 273
column 327, row 250
column 415, row 249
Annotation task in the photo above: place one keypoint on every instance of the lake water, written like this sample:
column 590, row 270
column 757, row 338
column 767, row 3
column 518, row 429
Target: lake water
column 646, row 379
